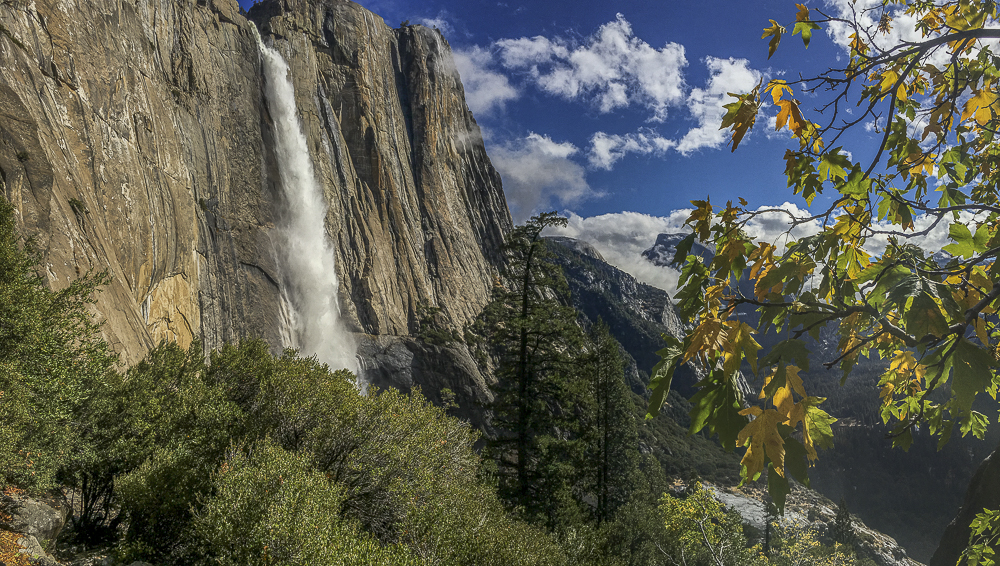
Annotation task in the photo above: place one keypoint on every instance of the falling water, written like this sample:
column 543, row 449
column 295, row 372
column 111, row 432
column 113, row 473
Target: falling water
column 311, row 314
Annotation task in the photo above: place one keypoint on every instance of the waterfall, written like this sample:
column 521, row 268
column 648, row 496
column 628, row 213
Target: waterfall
column 311, row 314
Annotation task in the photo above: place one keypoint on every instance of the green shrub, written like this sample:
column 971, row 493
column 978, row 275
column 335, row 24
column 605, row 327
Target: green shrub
column 51, row 360
column 701, row 531
column 163, row 430
column 269, row 506
column 386, row 471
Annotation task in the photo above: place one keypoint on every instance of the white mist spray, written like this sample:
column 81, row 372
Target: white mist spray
column 305, row 256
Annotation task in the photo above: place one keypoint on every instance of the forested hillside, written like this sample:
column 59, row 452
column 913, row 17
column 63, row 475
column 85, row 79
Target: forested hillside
column 238, row 456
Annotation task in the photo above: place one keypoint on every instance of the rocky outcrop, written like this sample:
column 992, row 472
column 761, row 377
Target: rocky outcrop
column 663, row 251
column 134, row 138
column 28, row 527
column 636, row 314
column 983, row 493
column 807, row 509
column 41, row 520
column 444, row 373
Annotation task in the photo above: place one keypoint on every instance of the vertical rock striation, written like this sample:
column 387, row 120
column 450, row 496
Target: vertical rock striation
column 130, row 141
column 135, row 137
column 416, row 206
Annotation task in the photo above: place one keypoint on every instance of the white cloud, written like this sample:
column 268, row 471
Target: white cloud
column 538, row 174
column 530, row 52
column 706, row 104
column 623, row 236
column 485, row 90
column 867, row 14
column 612, row 69
column 439, row 22
column 773, row 225
column 606, row 149
column 902, row 28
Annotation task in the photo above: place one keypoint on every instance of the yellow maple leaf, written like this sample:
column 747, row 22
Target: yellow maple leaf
column 803, row 14
column 888, row 81
column 980, row 106
column 739, row 345
column 919, row 163
column 713, row 298
column 706, row 340
column 886, row 393
column 791, row 115
column 762, row 439
column 933, row 20
column 981, row 333
column 858, row 46
column 778, row 87
column 774, row 32
column 762, row 255
column 701, row 218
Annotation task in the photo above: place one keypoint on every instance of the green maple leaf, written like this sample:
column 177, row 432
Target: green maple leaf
column 973, row 372
column 833, row 165
column 806, row 29
column 663, row 373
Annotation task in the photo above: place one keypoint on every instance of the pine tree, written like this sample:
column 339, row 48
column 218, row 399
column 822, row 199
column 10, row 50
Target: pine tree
column 613, row 438
column 843, row 529
column 535, row 341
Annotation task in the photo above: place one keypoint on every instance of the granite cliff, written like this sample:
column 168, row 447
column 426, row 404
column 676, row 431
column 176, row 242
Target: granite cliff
column 135, row 137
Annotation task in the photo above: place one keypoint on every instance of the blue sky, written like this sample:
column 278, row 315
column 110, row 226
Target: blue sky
column 703, row 48
column 609, row 111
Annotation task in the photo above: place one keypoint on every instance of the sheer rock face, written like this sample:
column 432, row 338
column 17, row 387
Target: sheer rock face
column 131, row 141
column 135, row 137
column 415, row 204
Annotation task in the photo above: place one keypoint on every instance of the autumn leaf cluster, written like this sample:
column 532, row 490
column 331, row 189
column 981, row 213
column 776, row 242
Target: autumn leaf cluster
column 930, row 313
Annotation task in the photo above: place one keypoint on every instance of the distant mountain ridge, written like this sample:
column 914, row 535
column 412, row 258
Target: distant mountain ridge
column 662, row 252
column 637, row 314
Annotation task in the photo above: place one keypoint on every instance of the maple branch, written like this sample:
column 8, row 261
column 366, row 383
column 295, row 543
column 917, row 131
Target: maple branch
column 850, row 351
column 892, row 107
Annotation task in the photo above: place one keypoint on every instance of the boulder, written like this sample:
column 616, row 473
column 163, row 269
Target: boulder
column 36, row 554
column 28, row 516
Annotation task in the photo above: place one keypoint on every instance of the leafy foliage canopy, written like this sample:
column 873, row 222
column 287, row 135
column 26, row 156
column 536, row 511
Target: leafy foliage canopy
column 931, row 314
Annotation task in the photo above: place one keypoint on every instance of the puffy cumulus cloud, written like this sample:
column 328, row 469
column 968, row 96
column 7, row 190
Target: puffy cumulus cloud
column 706, row 104
column 867, row 14
column 612, row 69
column 606, row 149
column 485, row 90
column 538, row 174
column 622, row 237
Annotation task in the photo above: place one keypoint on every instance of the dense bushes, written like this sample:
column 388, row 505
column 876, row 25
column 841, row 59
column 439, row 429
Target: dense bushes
column 51, row 357
column 246, row 457
column 270, row 506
